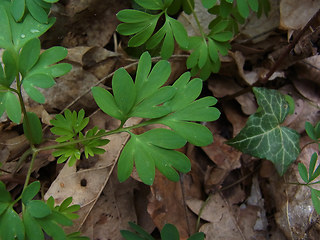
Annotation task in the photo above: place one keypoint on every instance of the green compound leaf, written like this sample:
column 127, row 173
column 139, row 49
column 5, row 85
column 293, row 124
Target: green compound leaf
column 32, row 228
column 142, row 26
column 315, row 197
column 70, row 127
column 151, row 5
column 32, row 128
column 140, row 234
column 38, row 209
column 76, row 236
column 30, row 192
column 303, row 172
column 310, row 131
column 11, row 226
column 313, row 174
column 18, row 9
column 41, row 73
column 91, row 147
column 176, row 5
column 197, row 236
column 209, row 3
column 140, row 99
column 153, row 149
column 9, row 102
column 10, row 67
column 169, row 231
column 185, row 109
column 264, row 137
column 29, row 55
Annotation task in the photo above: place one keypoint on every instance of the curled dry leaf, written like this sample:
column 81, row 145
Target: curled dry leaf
column 304, row 110
column 294, row 14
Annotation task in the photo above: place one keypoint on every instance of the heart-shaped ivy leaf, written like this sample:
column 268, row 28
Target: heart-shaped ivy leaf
column 264, row 137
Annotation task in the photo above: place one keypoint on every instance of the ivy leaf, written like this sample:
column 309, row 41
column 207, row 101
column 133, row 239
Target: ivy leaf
column 264, row 137
column 153, row 149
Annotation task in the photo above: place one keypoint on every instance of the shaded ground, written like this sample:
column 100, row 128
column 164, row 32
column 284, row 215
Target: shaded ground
column 237, row 196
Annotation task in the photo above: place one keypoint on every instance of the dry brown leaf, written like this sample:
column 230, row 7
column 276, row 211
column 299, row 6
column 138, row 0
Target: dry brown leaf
column 304, row 110
column 166, row 205
column 294, row 14
column 223, row 155
column 235, row 117
column 69, row 87
column 112, row 212
column 221, row 221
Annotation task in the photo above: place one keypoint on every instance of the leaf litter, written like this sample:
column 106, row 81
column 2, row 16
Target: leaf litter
column 233, row 195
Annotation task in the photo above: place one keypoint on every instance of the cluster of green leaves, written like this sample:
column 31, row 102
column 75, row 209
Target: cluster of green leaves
column 141, row 25
column 174, row 106
column 264, row 137
column 207, row 48
column 168, row 232
column 22, row 58
column 39, row 9
column 308, row 176
column 37, row 217
column 69, row 127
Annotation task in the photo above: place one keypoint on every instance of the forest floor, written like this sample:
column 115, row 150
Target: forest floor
column 227, row 195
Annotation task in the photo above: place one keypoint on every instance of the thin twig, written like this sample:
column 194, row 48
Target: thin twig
column 276, row 65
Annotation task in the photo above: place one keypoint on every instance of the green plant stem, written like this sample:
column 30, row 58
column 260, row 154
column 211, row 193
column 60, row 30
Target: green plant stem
column 197, row 20
column 204, row 204
column 303, row 184
column 118, row 130
column 23, row 107
column 34, row 154
column 22, row 159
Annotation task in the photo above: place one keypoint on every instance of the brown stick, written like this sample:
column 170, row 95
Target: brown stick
column 276, row 65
